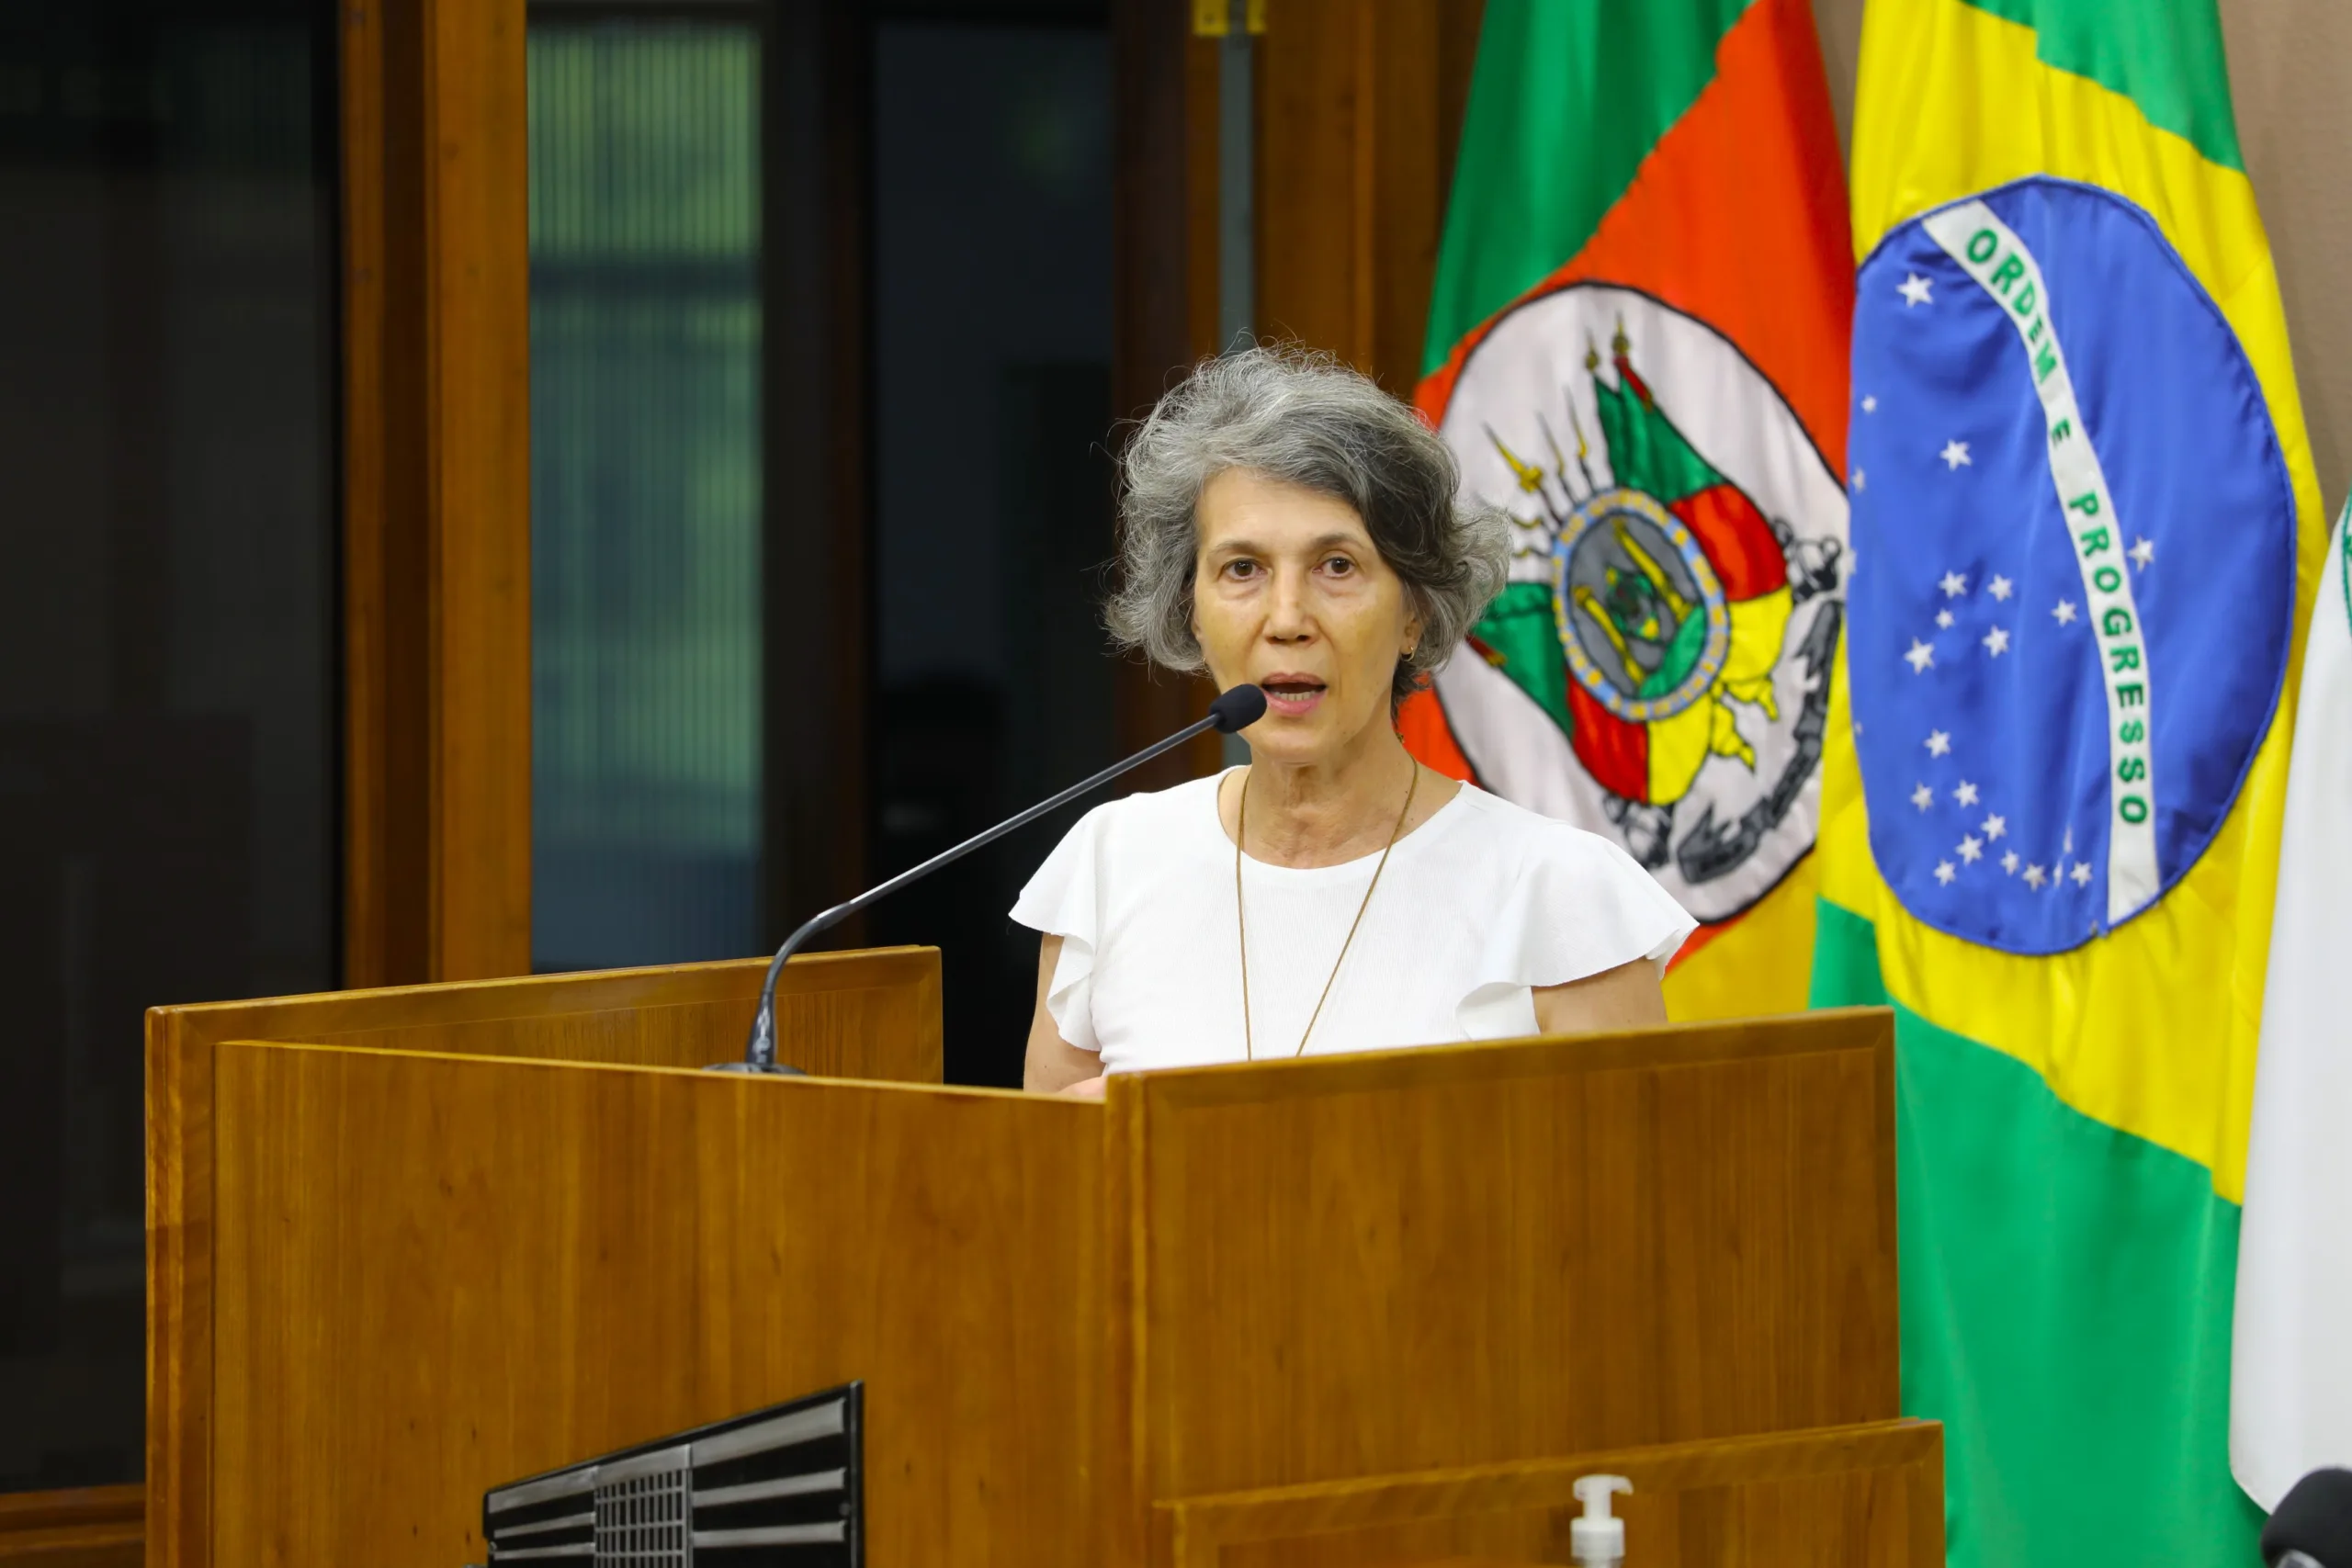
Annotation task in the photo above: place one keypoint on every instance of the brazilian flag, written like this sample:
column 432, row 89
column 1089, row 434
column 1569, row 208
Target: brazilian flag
column 2086, row 533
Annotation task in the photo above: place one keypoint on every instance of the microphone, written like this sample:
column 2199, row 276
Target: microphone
column 2313, row 1525
column 1233, row 710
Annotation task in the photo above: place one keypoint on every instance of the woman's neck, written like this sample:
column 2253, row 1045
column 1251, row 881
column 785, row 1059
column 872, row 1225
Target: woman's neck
column 1332, row 810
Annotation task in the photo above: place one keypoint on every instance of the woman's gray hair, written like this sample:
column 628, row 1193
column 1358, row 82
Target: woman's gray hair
column 1304, row 419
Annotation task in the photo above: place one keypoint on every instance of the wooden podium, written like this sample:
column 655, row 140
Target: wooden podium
column 408, row 1245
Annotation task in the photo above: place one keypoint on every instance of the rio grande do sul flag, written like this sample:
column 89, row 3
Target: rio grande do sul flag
column 2290, row 1387
column 1637, row 348
column 2084, row 523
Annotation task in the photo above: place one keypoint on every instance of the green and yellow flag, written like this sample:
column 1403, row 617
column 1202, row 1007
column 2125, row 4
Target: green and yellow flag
column 2085, row 529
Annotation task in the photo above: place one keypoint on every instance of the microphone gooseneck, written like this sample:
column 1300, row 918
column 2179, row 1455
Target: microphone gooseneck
column 1235, row 709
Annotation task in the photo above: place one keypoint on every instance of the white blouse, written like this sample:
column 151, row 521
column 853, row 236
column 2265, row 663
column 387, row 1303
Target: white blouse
column 1480, row 904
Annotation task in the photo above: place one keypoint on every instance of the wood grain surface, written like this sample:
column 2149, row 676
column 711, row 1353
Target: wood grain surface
column 434, row 1274
column 1358, row 1265
column 872, row 1015
column 1358, row 111
column 1838, row 1497
column 435, row 466
column 386, row 1280
column 89, row 1527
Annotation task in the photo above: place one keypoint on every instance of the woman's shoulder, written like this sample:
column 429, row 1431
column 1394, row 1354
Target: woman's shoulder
column 1563, row 903
column 1115, row 850
column 1149, row 825
column 1520, row 836
column 1150, row 815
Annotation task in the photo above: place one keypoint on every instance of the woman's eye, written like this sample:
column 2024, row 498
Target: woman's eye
column 1339, row 566
column 1238, row 568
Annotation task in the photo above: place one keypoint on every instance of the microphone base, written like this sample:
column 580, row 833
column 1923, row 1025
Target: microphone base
column 777, row 1070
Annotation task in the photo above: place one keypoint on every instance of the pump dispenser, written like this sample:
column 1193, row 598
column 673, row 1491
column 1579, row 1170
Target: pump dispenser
column 1598, row 1540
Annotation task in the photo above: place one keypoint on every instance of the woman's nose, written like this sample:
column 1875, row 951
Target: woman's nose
column 1286, row 616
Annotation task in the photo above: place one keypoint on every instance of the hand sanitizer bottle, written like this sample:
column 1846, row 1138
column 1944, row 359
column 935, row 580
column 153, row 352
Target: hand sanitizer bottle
column 1598, row 1540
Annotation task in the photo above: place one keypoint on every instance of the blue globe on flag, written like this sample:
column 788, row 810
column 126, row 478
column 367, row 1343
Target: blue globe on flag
column 2073, row 587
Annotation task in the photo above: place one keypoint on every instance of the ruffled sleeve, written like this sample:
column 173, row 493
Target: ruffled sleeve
column 1064, row 899
column 1580, row 906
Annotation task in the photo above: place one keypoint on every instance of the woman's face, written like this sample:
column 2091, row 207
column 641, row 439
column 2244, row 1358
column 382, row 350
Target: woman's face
column 1289, row 594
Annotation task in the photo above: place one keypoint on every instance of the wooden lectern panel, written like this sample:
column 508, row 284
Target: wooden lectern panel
column 870, row 1014
column 434, row 1274
column 1359, row 1265
column 386, row 1280
column 1863, row 1496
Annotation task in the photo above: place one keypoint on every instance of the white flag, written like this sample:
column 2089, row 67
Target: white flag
column 2290, row 1392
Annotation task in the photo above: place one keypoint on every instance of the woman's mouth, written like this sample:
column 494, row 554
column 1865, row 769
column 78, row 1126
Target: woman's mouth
column 1293, row 696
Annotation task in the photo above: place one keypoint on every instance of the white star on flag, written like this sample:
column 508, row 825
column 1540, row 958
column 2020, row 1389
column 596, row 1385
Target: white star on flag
column 1914, row 289
column 1869, row 405
column 1995, row 826
column 2081, row 874
column 1921, row 657
column 1923, row 798
column 2033, row 878
column 1970, row 848
column 2142, row 552
column 1943, row 620
column 1944, row 873
column 1955, row 455
column 1953, row 585
column 1967, row 794
column 2065, row 613
column 2009, row 863
column 1939, row 743
column 2068, row 844
column 2000, row 588
column 1996, row 642
column 1861, row 481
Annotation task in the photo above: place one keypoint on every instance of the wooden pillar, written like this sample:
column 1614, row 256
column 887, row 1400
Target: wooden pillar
column 1164, row 250
column 1358, row 110
column 437, row 492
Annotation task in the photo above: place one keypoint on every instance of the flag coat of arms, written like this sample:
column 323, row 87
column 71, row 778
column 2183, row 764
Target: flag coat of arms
column 1638, row 344
column 2085, row 529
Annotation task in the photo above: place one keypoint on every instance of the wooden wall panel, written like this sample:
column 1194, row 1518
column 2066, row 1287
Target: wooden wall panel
column 437, row 491
column 1358, row 110
column 1674, row 1234
column 388, row 1344
column 1164, row 261
column 91, row 1527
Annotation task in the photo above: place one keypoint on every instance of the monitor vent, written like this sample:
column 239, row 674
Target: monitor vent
column 776, row 1488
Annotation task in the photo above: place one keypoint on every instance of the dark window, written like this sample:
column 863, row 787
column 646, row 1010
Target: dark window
column 993, row 483
column 646, row 480
column 167, row 732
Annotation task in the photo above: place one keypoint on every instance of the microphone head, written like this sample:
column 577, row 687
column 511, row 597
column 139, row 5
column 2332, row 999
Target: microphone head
column 2314, row 1520
column 1237, row 709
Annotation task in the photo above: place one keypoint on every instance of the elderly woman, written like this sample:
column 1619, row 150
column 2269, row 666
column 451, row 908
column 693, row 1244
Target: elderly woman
column 1287, row 523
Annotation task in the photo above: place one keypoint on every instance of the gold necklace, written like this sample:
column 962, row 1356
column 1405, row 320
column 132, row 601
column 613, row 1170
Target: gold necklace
column 1241, row 924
